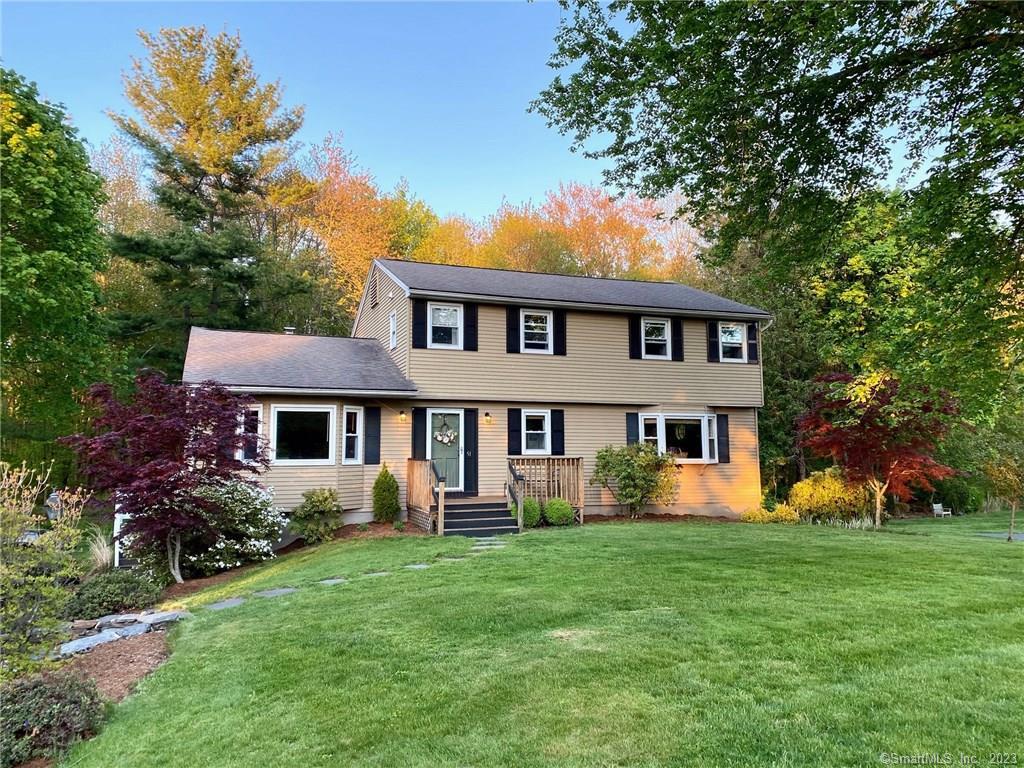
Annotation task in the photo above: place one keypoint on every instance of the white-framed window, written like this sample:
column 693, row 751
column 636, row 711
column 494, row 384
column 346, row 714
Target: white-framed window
column 536, row 331
column 392, row 330
column 732, row 342
column 657, row 338
column 352, row 423
column 536, row 432
column 251, row 424
column 444, row 326
column 302, row 435
column 688, row 438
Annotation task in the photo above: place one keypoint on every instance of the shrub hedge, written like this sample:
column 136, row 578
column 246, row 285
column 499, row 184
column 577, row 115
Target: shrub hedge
column 319, row 514
column 558, row 512
column 531, row 513
column 112, row 592
column 386, row 506
column 42, row 715
column 780, row 513
column 829, row 496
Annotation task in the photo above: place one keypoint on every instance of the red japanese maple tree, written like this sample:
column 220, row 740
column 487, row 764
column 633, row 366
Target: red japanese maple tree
column 153, row 451
column 880, row 435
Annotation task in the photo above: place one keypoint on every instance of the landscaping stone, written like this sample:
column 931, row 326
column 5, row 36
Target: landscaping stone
column 90, row 641
column 116, row 620
column 417, row 566
column 332, row 582
column 132, row 630
column 159, row 618
column 276, row 592
column 377, row 573
column 231, row 602
column 83, row 625
column 452, row 559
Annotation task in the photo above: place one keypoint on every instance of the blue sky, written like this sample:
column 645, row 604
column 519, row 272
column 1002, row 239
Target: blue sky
column 435, row 93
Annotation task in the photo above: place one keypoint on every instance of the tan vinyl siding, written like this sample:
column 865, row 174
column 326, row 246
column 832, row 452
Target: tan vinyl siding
column 373, row 320
column 597, row 368
column 711, row 489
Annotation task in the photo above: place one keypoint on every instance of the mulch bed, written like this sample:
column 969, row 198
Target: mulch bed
column 377, row 531
column 660, row 518
column 117, row 667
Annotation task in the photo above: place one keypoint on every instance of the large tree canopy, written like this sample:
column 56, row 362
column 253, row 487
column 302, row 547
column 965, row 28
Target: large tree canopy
column 774, row 118
column 53, row 338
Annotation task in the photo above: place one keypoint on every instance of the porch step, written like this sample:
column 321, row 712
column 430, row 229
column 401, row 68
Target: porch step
column 463, row 513
column 452, row 507
column 463, row 523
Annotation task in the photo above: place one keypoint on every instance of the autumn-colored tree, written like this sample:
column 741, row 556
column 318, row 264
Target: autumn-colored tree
column 214, row 137
column 880, row 434
column 410, row 220
column 350, row 217
column 520, row 238
column 452, row 241
column 608, row 237
column 157, row 452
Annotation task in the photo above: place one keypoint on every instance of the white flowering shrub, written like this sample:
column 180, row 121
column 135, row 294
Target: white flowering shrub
column 244, row 525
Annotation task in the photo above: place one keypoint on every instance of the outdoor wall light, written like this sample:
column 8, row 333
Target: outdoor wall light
column 401, row 415
column 487, row 417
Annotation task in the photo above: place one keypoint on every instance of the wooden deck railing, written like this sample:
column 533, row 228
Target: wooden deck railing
column 515, row 491
column 424, row 490
column 549, row 477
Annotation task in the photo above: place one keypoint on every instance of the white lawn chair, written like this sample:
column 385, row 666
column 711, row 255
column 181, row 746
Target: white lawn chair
column 940, row 511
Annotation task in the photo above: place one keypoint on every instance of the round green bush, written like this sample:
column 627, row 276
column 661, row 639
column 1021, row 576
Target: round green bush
column 531, row 513
column 42, row 715
column 828, row 496
column 112, row 592
column 319, row 514
column 558, row 512
column 386, row 506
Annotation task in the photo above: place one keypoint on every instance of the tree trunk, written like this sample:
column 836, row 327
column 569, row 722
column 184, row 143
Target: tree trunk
column 1013, row 519
column 878, row 489
column 174, row 556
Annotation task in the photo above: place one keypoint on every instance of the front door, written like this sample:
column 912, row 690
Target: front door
column 445, row 445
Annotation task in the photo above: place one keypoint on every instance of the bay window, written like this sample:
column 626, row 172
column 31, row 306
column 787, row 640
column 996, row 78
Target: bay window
column 302, row 435
column 688, row 438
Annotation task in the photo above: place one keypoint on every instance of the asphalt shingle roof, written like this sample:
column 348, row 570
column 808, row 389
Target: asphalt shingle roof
column 424, row 278
column 283, row 361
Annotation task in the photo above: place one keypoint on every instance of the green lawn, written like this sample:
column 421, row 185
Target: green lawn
column 613, row 644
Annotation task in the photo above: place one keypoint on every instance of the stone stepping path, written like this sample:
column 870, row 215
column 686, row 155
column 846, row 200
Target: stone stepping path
column 276, row 592
column 480, row 545
column 231, row 602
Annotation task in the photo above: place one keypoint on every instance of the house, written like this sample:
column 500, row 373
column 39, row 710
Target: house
column 474, row 383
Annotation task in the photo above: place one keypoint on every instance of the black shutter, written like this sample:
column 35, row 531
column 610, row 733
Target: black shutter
column 371, row 434
column 419, row 323
column 752, row 343
column 632, row 428
column 512, row 329
column 419, row 433
column 469, row 320
column 677, row 338
column 635, row 340
column 713, row 342
column 559, row 316
column 470, row 465
column 558, row 432
column 722, row 432
column 515, row 431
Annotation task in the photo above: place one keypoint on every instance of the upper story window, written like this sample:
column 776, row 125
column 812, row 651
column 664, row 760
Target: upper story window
column 353, row 422
column 536, row 329
column 657, row 339
column 444, row 326
column 732, row 342
column 392, row 330
column 302, row 435
column 537, row 432
column 689, row 439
